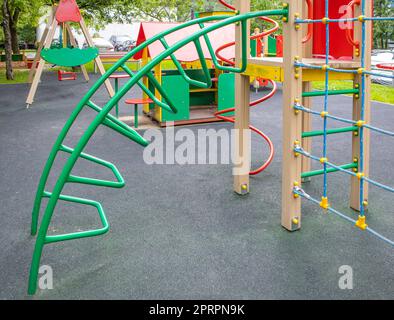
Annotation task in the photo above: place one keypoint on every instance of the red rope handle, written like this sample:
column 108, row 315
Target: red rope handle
column 349, row 36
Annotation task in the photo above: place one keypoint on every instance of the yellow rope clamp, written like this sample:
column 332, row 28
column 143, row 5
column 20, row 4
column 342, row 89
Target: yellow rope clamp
column 360, row 123
column 324, row 114
column 323, row 160
column 361, row 223
column 360, row 175
column 360, row 70
column 325, row 67
column 296, row 145
column 361, row 18
column 324, row 203
column 325, row 20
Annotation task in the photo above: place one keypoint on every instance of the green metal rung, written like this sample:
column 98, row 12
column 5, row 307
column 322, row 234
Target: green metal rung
column 120, row 183
column 120, row 127
column 330, row 93
column 82, row 234
column 149, row 93
column 309, row 134
column 309, row 174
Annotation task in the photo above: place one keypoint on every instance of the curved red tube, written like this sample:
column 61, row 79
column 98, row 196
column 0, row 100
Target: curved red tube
column 386, row 66
column 220, row 115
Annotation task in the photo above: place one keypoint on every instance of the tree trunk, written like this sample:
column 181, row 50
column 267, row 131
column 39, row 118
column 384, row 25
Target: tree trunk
column 14, row 18
column 7, row 41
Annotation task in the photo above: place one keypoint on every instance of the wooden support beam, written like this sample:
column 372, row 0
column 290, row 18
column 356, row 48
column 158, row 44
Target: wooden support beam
column 98, row 61
column 75, row 45
column 292, row 122
column 41, row 65
column 355, row 182
column 242, row 117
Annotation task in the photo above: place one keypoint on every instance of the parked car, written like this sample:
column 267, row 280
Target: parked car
column 102, row 44
column 118, row 40
column 126, row 46
column 382, row 57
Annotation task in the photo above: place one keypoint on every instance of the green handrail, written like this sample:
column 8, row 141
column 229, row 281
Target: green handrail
column 103, row 117
column 316, row 133
column 309, row 174
column 330, row 92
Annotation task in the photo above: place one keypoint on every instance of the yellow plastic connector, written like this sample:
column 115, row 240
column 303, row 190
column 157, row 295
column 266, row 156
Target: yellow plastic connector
column 357, row 86
column 360, row 175
column 360, row 70
column 295, row 221
column 361, row 223
column 357, row 52
column 360, row 123
column 284, row 19
column 244, row 187
column 285, row 5
column 325, row 20
column 324, row 203
column 297, row 76
column 324, row 114
column 325, row 67
column 361, row 18
column 297, row 27
column 323, row 160
column 365, row 203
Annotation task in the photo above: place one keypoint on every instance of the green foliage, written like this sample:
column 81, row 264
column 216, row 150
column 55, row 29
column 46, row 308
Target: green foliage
column 383, row 30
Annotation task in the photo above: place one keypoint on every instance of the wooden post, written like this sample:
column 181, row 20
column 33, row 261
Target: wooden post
column 242, row 118
column 74, row 44
column 292, row 122
column 98, row 61
column 41, row 65
column 355, row 182
column 41, row 45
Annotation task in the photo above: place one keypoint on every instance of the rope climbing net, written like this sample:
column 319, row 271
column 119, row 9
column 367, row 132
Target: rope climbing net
column 360, row 125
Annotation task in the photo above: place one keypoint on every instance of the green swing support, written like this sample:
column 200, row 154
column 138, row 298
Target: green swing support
column 104, row 117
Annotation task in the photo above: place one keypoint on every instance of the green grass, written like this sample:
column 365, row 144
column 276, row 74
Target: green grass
column 379, row 93
column 20, row 76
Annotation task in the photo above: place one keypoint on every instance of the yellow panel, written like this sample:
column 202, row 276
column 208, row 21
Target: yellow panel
column 215, row 13
column 320, row 75
column 266, row 72
column 158, row 111
column 145, row 61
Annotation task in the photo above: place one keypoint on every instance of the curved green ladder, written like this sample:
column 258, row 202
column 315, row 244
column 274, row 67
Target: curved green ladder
column 104, row 118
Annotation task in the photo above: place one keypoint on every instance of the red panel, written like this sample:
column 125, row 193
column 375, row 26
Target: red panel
column 68, row 11
column 340, row 48
column 279, row 46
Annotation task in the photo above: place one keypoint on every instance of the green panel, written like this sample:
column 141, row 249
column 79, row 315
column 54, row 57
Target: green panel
column 15, row 57
column 271, row 46
column 69, row 57
column 178, row 91
column 226, row 95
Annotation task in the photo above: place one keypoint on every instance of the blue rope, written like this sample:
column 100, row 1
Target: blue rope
column 317, row 113
column 303, row 194
column 389, row 133
column 325, row 186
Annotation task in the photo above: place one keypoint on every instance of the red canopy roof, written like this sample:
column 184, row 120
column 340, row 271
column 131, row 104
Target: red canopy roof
column 188, row 53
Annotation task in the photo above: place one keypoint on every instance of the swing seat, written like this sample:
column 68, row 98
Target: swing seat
column 69, row 57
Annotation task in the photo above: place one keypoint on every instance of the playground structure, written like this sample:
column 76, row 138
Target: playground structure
column 194, row 104
column 68, row 54
column 296, row 70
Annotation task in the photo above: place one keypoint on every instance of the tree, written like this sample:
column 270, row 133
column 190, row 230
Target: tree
column 383, row 30
column 7, row 40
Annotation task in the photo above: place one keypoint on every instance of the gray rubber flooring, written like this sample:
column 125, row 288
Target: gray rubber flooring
column 179, row 232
